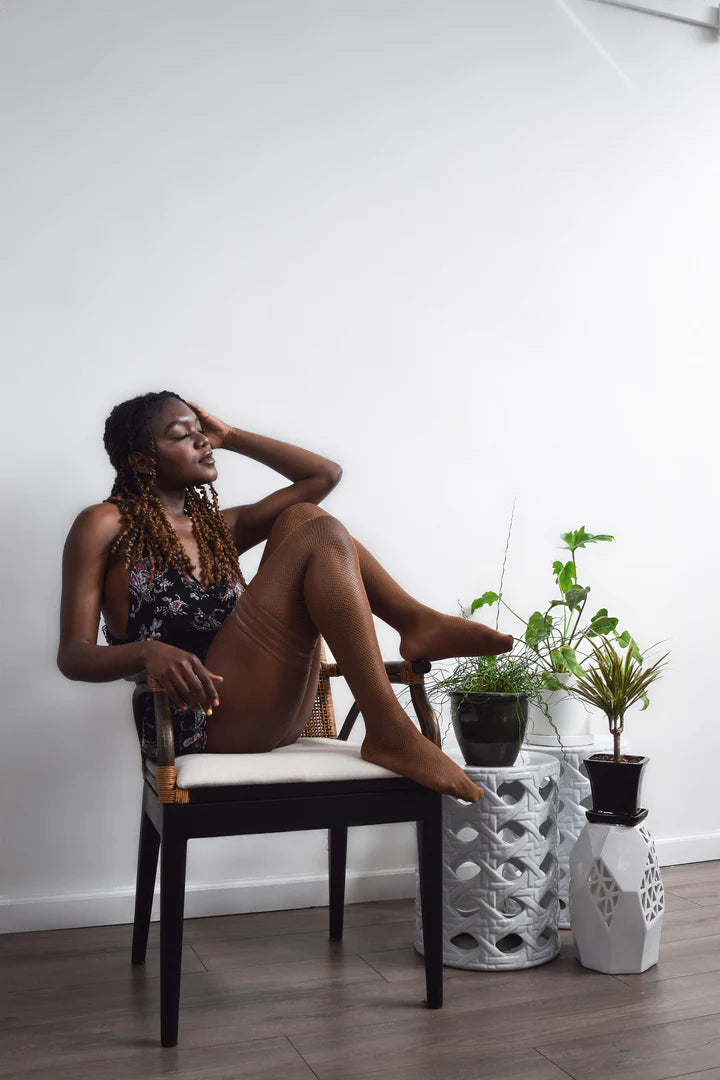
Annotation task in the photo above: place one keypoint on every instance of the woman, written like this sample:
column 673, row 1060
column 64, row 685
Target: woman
column 240, row 662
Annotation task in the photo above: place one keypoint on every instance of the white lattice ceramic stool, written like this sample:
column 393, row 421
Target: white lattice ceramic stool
column 616, row 898
column 574, row 799
column 500, row 902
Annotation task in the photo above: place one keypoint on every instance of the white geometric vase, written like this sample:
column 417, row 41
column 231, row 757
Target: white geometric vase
column 616, row 898
column 575, row 798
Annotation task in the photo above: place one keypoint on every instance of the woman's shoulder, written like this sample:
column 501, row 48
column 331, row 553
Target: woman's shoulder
column 89, row 543
column 100, row 522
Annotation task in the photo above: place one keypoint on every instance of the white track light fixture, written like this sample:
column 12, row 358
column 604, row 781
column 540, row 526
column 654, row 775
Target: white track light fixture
column 695, row 12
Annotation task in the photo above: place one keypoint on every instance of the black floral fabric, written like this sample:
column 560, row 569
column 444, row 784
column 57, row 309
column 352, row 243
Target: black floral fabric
column 178, row 610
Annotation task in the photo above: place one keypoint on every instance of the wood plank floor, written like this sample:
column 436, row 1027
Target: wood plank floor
column 267, row 995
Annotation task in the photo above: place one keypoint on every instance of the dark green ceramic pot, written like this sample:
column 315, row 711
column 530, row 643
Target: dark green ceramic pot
column 489, row 728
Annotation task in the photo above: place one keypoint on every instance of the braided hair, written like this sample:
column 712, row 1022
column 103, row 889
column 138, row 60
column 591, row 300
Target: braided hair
column 147, row 532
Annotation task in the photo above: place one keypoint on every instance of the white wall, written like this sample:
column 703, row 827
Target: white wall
column 467, row 249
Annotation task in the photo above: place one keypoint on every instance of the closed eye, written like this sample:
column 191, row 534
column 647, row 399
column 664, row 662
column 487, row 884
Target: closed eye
column 199, row 431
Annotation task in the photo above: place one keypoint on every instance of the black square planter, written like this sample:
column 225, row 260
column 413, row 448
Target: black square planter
column 615, row 789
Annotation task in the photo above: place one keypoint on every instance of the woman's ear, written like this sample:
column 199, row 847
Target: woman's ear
column 141, row 463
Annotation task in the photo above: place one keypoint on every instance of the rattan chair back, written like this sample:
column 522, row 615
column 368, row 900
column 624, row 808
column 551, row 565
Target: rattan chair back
column 322, row 718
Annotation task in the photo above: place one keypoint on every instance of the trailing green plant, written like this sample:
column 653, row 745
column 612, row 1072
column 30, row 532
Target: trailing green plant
column 508, row 673
column 614, row 683
column 556, row 642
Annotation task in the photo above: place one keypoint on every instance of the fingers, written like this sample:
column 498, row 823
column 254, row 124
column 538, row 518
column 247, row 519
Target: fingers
column 206, row 689
column 174, row 685
column 190, row 687
column 178, row 691
column 184, row 678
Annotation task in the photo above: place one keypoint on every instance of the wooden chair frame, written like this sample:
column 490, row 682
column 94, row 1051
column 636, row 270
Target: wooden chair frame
column 171, row 816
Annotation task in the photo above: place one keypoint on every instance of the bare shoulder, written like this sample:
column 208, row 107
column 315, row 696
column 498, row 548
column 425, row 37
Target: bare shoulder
column 97, row 525
column 84, row 569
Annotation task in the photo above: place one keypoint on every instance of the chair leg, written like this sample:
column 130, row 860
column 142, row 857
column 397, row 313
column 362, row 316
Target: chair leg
column 429, row 836
column 148, row 848
column 173, row 855
column 337, row 858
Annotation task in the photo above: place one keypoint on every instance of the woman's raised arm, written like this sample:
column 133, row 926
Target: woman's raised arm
column 291, row 461
column 313, row 477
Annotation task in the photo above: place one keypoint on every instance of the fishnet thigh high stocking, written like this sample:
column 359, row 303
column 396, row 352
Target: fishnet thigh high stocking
column 311, row 582
column 284, row 702
column 424, row 633
column 284, row 523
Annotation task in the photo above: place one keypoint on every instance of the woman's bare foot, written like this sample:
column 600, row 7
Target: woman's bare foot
column 403, row 749
column 434, row 636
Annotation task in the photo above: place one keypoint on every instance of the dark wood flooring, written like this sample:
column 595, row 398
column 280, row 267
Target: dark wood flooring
column 267, row 996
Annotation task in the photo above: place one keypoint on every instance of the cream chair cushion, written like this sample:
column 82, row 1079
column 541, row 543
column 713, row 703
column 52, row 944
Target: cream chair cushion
column 308, row 760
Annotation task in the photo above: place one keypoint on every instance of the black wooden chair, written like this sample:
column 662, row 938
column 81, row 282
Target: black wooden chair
column 319, row 782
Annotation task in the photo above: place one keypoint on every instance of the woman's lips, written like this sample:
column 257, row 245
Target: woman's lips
column 208, row 459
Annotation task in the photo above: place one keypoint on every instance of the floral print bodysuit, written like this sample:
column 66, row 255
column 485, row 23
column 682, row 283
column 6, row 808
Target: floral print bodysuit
column 178, row 610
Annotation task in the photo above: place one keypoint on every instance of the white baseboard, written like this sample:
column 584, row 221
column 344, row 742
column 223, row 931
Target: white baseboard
column 687, row 849
column 105, row 908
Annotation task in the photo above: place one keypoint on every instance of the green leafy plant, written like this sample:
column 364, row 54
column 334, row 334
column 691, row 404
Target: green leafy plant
column 507, row 673
column 614, row 683
column 557, row 642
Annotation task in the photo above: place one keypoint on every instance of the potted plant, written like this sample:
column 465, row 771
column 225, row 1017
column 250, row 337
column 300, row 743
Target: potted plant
column 613, row 684
column 561, row 641
column 616, row 891
column 489, row 697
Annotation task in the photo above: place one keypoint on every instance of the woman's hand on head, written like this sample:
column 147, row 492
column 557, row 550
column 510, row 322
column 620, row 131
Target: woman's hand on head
column 216, row 430
column 188, row 683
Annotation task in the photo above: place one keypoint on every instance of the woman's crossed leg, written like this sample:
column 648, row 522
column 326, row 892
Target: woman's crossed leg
column 315, row 579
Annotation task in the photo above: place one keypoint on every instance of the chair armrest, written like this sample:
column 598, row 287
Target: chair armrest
column 398, row 671
column 163, row 728
column 410, row 673
column 163, row 720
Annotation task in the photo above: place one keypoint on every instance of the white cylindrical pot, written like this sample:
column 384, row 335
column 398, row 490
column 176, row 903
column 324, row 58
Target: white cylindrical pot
column 616, row 898
column 571, row 718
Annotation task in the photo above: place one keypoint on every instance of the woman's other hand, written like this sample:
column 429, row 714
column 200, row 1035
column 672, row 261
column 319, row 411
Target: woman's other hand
column 188, row 683
column 216, row 430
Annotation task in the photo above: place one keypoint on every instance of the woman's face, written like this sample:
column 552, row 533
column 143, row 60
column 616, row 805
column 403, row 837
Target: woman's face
column 183, row 455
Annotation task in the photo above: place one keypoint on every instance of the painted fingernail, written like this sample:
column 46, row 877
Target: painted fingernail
column 216, row 701
column 208, row 712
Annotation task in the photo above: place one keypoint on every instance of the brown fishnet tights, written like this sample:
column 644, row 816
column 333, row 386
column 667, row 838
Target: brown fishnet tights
column 315, row 577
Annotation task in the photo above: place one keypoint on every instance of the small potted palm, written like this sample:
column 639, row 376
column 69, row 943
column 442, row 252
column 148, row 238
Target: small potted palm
column 616, row 891
column 613, row 684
